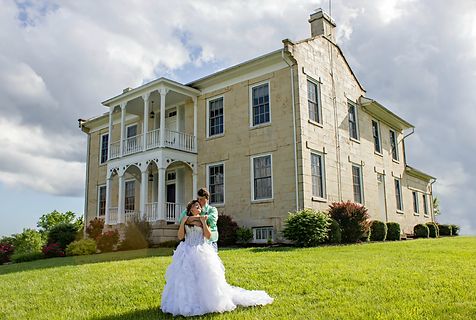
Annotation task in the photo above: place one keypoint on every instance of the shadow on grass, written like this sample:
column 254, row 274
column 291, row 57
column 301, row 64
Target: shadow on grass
column 88, row 259
column 152, row 313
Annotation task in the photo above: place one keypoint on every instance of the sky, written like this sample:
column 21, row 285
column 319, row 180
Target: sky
column 60, row 59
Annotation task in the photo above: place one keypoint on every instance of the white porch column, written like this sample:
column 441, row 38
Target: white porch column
column 123, row 126
column 195, row 123
column 109, row 139
column 161, row 196
column 121, row 201
column 163, row 92
column 194, row 184
column 108, row 199
column 143, row 191
column 145, row 126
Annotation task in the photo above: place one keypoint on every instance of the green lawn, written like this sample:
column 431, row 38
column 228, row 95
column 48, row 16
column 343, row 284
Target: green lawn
column 417, row 279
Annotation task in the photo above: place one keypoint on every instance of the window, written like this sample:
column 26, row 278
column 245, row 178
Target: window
column 263, row 234
column 104, row 147
column 425, row 204
column 415, row 202
column 260, row 104
column 353, row 123
column 376, row 135
column 262, row 178
column 314, row 101
column 216, row 183
column 132, row 142
column 393, row 145
column 130, row 196
column 398, row 195
column 317, row 172
column 215, row 117
column 102, row 201
column 357, row 183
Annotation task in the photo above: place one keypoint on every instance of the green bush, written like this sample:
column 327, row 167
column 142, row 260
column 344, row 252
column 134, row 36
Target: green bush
column 107, row 240
column 454, row 230
column 27, row 256
column 227, row 228
column 62, row 234
column 445, row 229
column 433, row 229
column 136, row 235
column 244, row 235
column 29, row 241
column 334, row 234
column 421, row 231
column 353, row 220
column 393, row 231
column 378, row 231
column 307, row 227
column 81, row 247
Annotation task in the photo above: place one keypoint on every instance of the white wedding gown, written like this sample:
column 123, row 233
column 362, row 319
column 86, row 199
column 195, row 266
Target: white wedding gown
column 196, row 284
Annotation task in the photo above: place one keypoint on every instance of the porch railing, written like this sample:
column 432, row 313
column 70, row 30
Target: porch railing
column 115, row 149
column 172, row 211
column 131, row 214
column 179, row 140
column 151, row 213
column 133, row 144
column 153, row 139
column 113, row 215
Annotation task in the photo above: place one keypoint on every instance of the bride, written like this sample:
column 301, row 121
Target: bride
column 195, row 280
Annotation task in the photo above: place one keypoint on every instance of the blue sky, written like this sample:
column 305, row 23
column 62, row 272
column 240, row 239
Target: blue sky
column 64, row 57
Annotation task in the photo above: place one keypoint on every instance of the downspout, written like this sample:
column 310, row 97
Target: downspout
column 294, row 127
column 85, row 211
column 431, row 200
column 403, row 143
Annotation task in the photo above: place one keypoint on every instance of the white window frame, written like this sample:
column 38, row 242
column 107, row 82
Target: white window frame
column 318, row 97
column 379, row 136
column 323, row 175
column 224, row 181
column 426, row 209
column 250, row 93
column 125, row 192
column 401, row 195
column 267, row 228
column 349, row 102
column 396, row 145
column 100, row 148
column 416, row 203
column 361, row 178
column 253, row 177
column 208, row 116
column 131, row 125
column 98, row 197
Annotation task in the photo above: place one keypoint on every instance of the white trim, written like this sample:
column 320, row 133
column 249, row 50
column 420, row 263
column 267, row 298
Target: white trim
column 319, row 101
column 131, row 125
column 356, row 120
column 426, row 209
column 323, row 176
column 416, row 206
column 361, row 176
column 207, row 174
column 379, row 135
column 98, row 198
column 100, row 149
column 252, row 173
column 250, row 93
column 401, row 210
column 222, row 96
column 396, row 145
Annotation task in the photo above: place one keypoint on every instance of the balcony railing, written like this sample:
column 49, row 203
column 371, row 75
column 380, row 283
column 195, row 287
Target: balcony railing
column 132, row 145
column 115, row 150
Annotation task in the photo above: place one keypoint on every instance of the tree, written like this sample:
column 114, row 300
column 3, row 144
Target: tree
column 436, row 206
column 49, row 220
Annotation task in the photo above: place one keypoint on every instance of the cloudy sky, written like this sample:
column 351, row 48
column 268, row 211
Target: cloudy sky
column 60, row 59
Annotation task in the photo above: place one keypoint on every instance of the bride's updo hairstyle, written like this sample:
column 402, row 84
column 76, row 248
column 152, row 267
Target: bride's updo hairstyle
column 189, row 206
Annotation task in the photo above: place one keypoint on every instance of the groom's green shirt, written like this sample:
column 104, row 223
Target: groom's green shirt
column 212, row 214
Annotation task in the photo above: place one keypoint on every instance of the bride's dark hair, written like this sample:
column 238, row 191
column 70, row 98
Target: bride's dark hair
column 189, row 206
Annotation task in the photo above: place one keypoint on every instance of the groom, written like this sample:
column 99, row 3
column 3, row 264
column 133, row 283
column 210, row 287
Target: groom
column 210, row 211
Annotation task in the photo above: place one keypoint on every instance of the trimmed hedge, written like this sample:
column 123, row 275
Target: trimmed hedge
column 421, row 231
column 334, row 235
column 27, row 256
column 378, row 231
column 353, row 219
column 393, row 231
column 433, row 229
column 445, row 230
column 454, row 230
column 307, row 227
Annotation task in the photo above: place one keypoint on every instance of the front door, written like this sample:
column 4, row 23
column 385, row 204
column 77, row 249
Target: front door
column 171, row 193
column 381, row 195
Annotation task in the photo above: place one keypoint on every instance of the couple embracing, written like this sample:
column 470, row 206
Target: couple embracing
column 195, row 280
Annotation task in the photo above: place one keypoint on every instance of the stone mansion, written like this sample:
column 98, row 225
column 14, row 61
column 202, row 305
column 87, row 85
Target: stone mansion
column 288, row 130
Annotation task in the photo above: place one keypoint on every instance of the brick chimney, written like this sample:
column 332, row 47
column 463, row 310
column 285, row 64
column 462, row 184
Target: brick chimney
column 322, row 24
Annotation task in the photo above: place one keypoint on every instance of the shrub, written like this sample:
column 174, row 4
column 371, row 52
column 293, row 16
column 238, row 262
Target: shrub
column 378, row 231
column 353, row 220
column 244, row 235
column 433, row 229
column 28, row 241
column 454, row 229
column 94, row 228
column 27, row 256
column 53, row 250
column 307, row 227
column 136, row 235
column 393, row 231
column 81, row 247
column 107, row 240
column 445, row 230
column 6, row 251
column 334, row 234
column 227, row 230
column 62, row 234
column 421, row 231
column 8, row 240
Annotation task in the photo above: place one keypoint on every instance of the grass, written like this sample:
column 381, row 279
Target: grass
column 417, row 279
